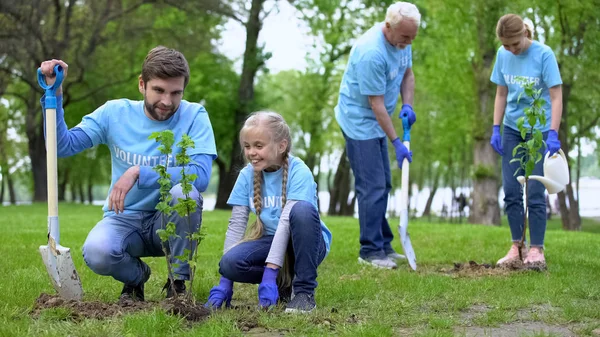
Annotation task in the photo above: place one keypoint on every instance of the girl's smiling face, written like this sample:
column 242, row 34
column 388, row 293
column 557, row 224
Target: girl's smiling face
column 261, row 151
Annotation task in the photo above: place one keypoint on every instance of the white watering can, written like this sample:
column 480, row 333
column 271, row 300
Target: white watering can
column 556, row 173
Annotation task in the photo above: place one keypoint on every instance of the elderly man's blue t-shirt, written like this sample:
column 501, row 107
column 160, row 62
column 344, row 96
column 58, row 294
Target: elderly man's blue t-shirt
column 300, row 186
column 537, row 64
column 375, row 68
column 124, row 127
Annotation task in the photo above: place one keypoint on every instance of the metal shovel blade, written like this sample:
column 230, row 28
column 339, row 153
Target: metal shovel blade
column 405, row 240
column 62, row 271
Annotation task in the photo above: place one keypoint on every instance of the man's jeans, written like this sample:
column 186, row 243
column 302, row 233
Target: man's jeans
column 370, row 164
column 245, row 262
column 513, row 192
column 114, row 246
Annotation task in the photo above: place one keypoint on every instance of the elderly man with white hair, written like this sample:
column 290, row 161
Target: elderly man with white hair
column 379, row 70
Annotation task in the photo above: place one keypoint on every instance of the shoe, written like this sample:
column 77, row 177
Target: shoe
column 535, row 259
column 512, row 255
column 136, row 293
column 178, row 289
column 301, row 303
column 385, row 263
column 395, row 256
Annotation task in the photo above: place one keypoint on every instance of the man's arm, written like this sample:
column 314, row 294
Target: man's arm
column 384, row 120
column 407, row 88
column 68, row 142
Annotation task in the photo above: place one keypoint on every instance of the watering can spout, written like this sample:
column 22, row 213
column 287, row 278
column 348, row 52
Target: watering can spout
column 552, row 186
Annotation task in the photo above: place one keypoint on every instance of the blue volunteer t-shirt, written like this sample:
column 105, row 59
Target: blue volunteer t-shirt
column 301, row 186
column 375, row 68
column 537, row 64
column 124, row 127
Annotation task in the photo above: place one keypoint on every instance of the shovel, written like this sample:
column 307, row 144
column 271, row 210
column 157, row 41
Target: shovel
column 403, row 227
column 57, row 258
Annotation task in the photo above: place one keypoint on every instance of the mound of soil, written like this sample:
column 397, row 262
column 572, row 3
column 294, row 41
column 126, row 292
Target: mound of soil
column 100, row 310
column 475, row 269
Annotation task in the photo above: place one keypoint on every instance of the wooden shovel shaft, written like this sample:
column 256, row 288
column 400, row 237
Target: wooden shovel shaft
column 51, row 160
column 405, row 187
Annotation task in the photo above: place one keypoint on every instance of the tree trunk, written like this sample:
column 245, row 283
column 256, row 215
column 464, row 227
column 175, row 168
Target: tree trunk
column 2, row 184
column 570, row 217
column 339, row 192
column 81, row 193
column 90, row 194
column 73, row 192
column 253, row 60
column 485, row 208
column 62, row 185
column 434, row 188
column 36, row 147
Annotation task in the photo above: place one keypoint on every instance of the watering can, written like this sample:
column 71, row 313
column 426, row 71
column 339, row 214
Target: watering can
column 556, row 173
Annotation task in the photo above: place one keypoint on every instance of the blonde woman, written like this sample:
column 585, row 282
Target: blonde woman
column 522, row 57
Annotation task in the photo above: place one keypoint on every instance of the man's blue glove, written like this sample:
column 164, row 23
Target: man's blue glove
column 401, row 152
column 496, row 140
column 552, row 142
column 267, row 290
column 219, row 294
column 407, row 110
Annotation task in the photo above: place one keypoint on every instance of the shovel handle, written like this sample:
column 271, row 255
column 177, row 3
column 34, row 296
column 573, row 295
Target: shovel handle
column 405, row 127
column 50, row 90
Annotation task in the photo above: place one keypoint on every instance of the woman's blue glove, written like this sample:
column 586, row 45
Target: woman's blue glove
column 401, row 152
column 267, row 290
column 552, row 142
column 219, row 294
column 407, row 110
column 496, row 140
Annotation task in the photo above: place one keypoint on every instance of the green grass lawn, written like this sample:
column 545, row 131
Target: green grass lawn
column 352, row 300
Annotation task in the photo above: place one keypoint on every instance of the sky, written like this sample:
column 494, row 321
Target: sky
column 284, row 35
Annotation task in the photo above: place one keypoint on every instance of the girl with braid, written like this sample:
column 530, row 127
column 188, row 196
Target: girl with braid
column 284, row 246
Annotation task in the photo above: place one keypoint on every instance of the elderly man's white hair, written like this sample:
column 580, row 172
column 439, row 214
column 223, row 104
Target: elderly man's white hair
column 402, row 10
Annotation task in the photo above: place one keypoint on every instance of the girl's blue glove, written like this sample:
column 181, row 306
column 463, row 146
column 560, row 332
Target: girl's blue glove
column 496, row 140
column 219, row 294
column 267, row 290
column 552, row 142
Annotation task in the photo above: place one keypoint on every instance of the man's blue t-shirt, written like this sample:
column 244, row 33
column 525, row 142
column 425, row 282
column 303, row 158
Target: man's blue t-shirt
column 537, row 64
column 124, row 127
column 375, row 68
column 301, row 186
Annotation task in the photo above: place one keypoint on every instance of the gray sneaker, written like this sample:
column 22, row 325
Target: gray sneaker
column 301, row 303
column 385, row 263
column 395, row 256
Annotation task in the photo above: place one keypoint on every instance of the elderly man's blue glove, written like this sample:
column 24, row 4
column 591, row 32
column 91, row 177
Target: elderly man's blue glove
column 496, row 140
column 219, row 294
column 552, row 142
column 267, row 290
column 407, row 111
column 401, row 152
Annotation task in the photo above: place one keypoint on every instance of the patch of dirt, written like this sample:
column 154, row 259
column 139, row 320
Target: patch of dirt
column 100, row 310
column 474, row 269
column 517, row 329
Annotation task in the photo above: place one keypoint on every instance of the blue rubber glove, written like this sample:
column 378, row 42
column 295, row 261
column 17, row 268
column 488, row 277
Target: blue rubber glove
column 219, row 294
column 407, row 110
column 552, row 142
column 267, row 290
column 401, row 152
column 496, row 140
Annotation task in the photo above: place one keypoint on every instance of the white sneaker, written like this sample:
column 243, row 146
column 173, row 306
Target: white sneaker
column 385, row 263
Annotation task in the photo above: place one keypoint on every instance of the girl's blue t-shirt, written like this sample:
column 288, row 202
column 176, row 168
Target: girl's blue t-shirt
column 536, row 64
column 301, row 186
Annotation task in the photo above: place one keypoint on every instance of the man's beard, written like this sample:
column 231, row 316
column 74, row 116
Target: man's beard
column 151, row 109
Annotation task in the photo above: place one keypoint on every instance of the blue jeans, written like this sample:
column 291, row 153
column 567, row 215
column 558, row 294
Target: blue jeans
column 114, row 246
column 513, row 192
column 245, row 262
column 370, row 164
